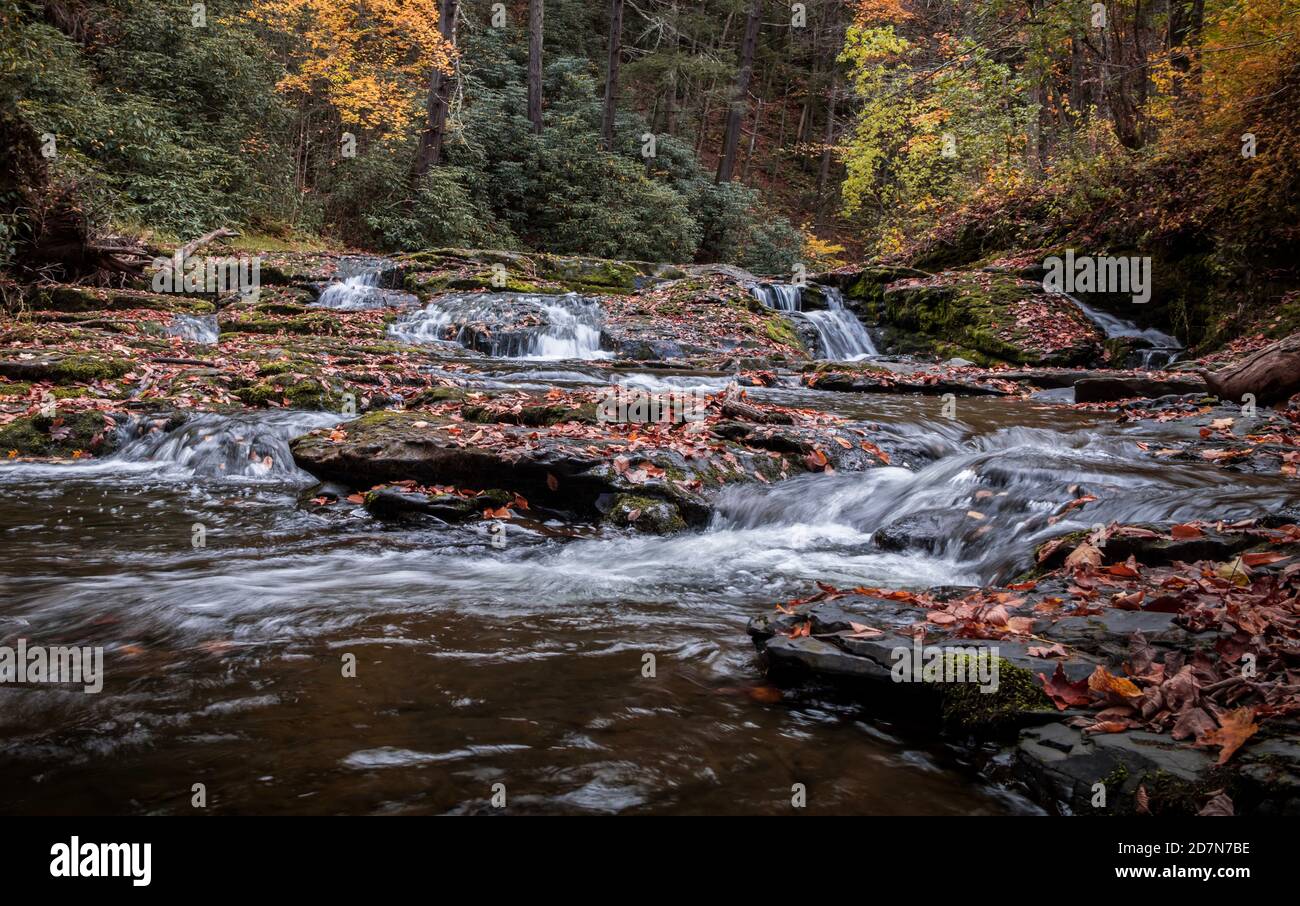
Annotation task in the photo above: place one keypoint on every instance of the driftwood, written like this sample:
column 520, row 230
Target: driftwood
column 194, row 245
column 734, row 407
column 1272, row 374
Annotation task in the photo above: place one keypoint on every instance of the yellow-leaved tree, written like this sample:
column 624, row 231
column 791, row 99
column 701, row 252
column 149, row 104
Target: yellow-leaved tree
column 367, row 59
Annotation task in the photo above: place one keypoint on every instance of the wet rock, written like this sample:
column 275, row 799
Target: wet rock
column 1061, row 765
column 1155, row 546
column 660, row 517
column 571, row 466
column 395, row 503
column 932, row 530
column 62, row 435
column 875, row 379
column 566, row 473
column 1118, row 387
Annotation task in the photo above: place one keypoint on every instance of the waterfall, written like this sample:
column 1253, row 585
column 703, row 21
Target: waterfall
column 194, row 328
column 363, row 290
column 248, row 446
column 777, row 296
column 1164, row 349
column 509, row 325
column 840, row 335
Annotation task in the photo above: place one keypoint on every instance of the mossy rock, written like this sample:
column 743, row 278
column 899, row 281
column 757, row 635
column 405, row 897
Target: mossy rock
column 425, row 284
column 68, row 298
column 538, row 416
column 1018, row 693
column 647, row 514
column 314, row 323
column 781, row 331
column 596, row 274
column 15, row 388
column 281, row 308
column 58, row 436
column 965, row 317
column 296, row 392
column 436, row 396
column 297, row 269
column 65, row 369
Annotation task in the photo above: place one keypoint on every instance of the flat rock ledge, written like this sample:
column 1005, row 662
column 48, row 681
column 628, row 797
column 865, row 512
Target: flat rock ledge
column 563, row 464
column 1119, row 689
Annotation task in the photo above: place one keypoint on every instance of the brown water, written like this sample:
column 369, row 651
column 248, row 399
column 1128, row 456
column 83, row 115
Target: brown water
column 520, row 666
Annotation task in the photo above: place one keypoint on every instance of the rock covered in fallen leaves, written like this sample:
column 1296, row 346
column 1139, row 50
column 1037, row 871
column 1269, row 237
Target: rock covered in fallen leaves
column 1161, row 658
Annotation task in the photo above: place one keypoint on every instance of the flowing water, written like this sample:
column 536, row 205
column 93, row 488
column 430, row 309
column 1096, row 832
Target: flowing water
column 1162, row 349
column 195, row 328
column 363, row 289
column 509, row 325
column 227, row 604
column 841, row 337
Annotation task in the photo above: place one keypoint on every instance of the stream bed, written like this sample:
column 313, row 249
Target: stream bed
column 525, row 664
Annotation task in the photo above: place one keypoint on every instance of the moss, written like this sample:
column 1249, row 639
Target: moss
column 14, row 388
column 966, row 706
column 89, row 298
column 317, row 323
column 967, row 318
column 300, row 393
column 279, row 367
column 85, row 368
column 280, row 308
column 588, row 273
column 779, row 330
column 61, row 436
column 435, row 396
column 650, row 514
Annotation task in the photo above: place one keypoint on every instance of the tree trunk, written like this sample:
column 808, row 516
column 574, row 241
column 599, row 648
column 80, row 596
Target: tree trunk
column 429, row 152
column 731, row 138
column 611, row 76
column 823, row 175
column 1272, row 374
column 535, row 16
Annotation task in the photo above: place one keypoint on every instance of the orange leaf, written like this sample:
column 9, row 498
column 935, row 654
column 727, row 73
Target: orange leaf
column 1234, row 729
column 1115, row 687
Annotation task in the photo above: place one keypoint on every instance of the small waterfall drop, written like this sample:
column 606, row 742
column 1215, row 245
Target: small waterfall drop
column 195, row 329
column 1163, row 351
column 841, row 337
column 509, row 325
column 248, row 446
column 363, row 290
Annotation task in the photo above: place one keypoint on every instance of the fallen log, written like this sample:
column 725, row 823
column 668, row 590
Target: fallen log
column 194, row 245
column 1271, row 375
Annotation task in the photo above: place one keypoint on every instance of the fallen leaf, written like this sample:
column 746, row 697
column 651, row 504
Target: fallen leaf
column 1063, row 693
column 1083, row 555
column 1234, row 729
column 1111, row 686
